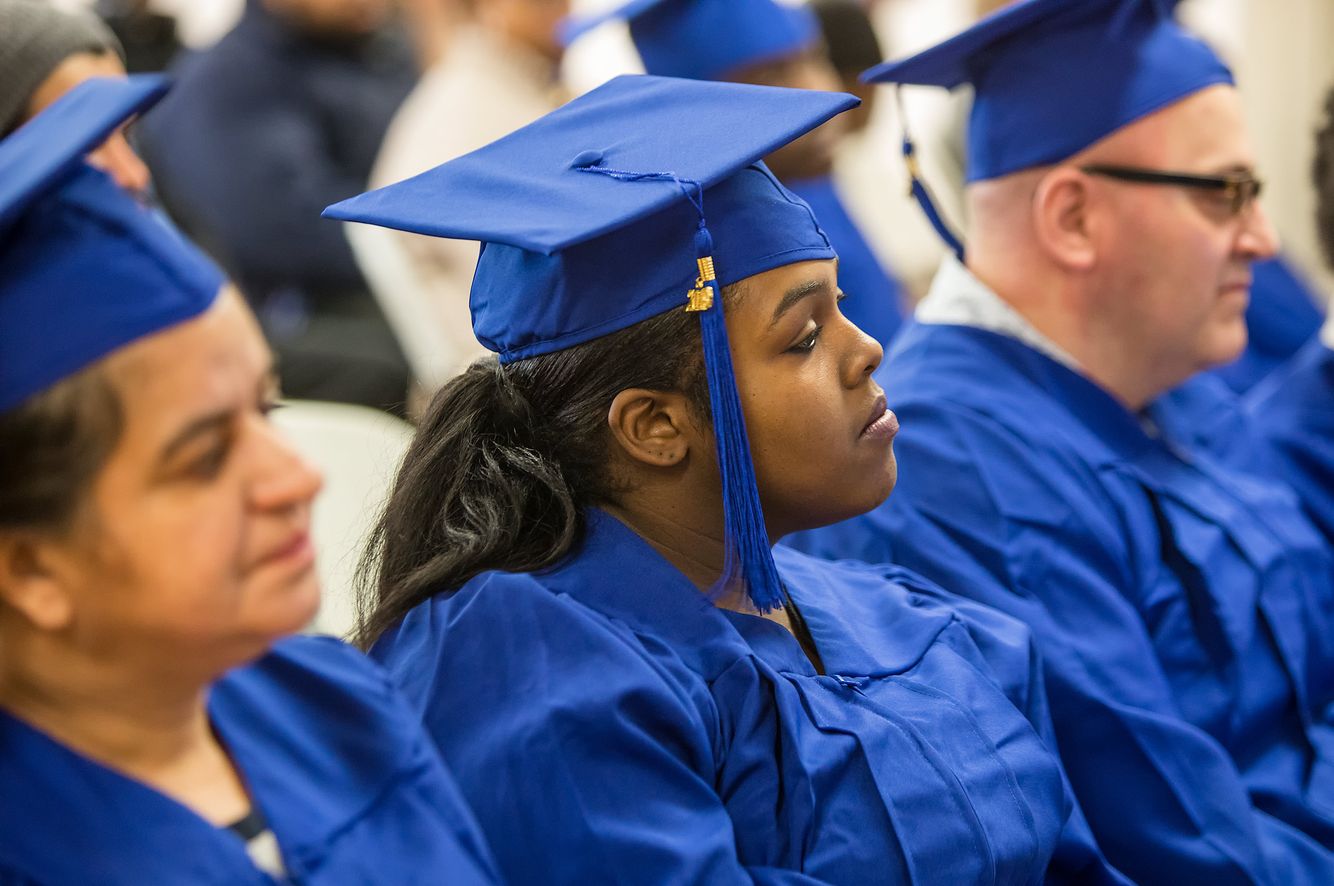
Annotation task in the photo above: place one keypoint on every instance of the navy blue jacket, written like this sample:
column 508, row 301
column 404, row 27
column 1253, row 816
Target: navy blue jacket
column 261, row 132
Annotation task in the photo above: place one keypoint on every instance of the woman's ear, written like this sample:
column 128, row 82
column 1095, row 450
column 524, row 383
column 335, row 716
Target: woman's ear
column 652, row 427
column 30, row 585
column 1063, row 220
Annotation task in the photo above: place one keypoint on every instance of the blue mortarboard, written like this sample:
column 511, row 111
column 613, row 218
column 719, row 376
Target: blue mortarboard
column 1051, row 77
column 705, row 39
column 593, row 219
column 84, row 268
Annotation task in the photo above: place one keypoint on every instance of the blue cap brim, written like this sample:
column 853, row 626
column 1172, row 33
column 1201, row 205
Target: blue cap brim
column 45, row 150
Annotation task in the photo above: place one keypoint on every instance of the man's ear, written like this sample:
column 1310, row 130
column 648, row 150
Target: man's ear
column 652, row 428
column 1063, row 220
column 30, row 582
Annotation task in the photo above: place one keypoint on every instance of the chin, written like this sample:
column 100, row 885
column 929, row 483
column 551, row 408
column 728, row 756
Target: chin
column 1225, row 345
column 289, row 609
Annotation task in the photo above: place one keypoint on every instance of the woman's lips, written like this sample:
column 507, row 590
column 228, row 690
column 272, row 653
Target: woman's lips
column 297, row 550
column 883, row 425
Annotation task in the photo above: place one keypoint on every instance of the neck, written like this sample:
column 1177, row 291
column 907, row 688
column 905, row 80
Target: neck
column 123, row 716
column 1063, row 311
column 675, row 534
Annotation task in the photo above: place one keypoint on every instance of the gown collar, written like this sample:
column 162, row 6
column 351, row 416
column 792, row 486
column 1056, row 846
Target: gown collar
column 663, row 604
column 315, row 756
column 957, row 298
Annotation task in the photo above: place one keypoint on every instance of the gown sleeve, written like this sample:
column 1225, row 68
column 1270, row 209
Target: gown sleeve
column 1163, row 797
column 585, row 758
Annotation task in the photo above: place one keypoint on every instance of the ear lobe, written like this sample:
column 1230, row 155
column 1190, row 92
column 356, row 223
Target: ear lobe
column 1063, row 218
column 30, row 587
column 652, row 427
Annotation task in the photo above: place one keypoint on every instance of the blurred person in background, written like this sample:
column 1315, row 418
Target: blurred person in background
column 148, row 36
column 282, row 116
column 45, row 52
column 872, row 185
column 499, row 71
column 768, row 43
column 158, row 723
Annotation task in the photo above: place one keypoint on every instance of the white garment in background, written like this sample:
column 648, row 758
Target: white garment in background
column 482, row 88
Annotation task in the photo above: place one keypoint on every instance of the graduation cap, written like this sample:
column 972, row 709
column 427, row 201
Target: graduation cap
column 620, row 206
column 1051, row 77
column 705, row 39
column 84, row 267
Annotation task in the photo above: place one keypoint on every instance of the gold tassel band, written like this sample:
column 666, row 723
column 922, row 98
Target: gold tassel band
column 701, row 297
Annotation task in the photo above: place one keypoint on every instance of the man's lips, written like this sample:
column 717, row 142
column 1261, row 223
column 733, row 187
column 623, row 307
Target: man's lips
column 883, row 424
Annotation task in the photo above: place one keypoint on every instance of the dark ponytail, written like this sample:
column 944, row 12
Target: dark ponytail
column 507, row 458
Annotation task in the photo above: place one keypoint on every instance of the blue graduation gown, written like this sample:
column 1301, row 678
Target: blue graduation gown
column 875, row 299
column 340, row 767
column 1283, row 315
column 608, row 724
column 1184, row 610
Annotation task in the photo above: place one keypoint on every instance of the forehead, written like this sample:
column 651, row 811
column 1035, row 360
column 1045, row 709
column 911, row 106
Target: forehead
column 1204, row 131
column 204, row 363
column 756, row 297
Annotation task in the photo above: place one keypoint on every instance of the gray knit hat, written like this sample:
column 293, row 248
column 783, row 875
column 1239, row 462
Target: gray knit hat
column 35, row 37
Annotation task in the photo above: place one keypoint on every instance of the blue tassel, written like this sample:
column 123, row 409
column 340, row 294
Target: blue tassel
column 747, row 553
column 746, row 538
column 919, row 190
column 924, row 200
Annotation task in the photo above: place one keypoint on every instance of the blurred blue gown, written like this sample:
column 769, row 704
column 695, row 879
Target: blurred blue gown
column 1184, row 609
column 339, row 766
column 875, row 300
column 1293, row 410
column 608, row 724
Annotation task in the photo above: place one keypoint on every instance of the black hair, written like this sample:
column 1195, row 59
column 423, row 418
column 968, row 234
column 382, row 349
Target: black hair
column 52, row 446
column 849, row 35
column 506, row 459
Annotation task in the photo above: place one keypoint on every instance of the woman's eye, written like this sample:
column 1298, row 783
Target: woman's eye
column 210, row 464
column 807, row 344
column 270, row 406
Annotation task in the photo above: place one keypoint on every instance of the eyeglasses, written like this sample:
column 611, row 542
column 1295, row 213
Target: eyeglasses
column 1240, row 189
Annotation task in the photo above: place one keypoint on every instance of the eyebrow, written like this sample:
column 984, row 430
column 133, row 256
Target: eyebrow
column 214, row 421
column 205, row 424
column 797, row 294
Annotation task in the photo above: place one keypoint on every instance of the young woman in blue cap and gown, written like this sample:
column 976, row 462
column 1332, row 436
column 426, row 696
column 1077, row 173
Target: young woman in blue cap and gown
column 573, row 576
column 770, row 44
column 1184, row 607
column 155, row 727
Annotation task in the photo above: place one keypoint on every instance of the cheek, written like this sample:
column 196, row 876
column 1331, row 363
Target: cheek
column 811, row 467
column 187, row 556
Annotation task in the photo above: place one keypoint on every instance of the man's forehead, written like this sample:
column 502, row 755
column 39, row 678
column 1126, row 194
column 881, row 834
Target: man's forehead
column 1205, row 131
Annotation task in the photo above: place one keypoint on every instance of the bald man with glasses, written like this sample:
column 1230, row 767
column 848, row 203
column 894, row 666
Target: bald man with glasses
column 1048, row 392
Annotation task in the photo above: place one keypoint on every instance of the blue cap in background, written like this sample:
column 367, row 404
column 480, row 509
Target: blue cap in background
column 707, row 39
column 1051, row 77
